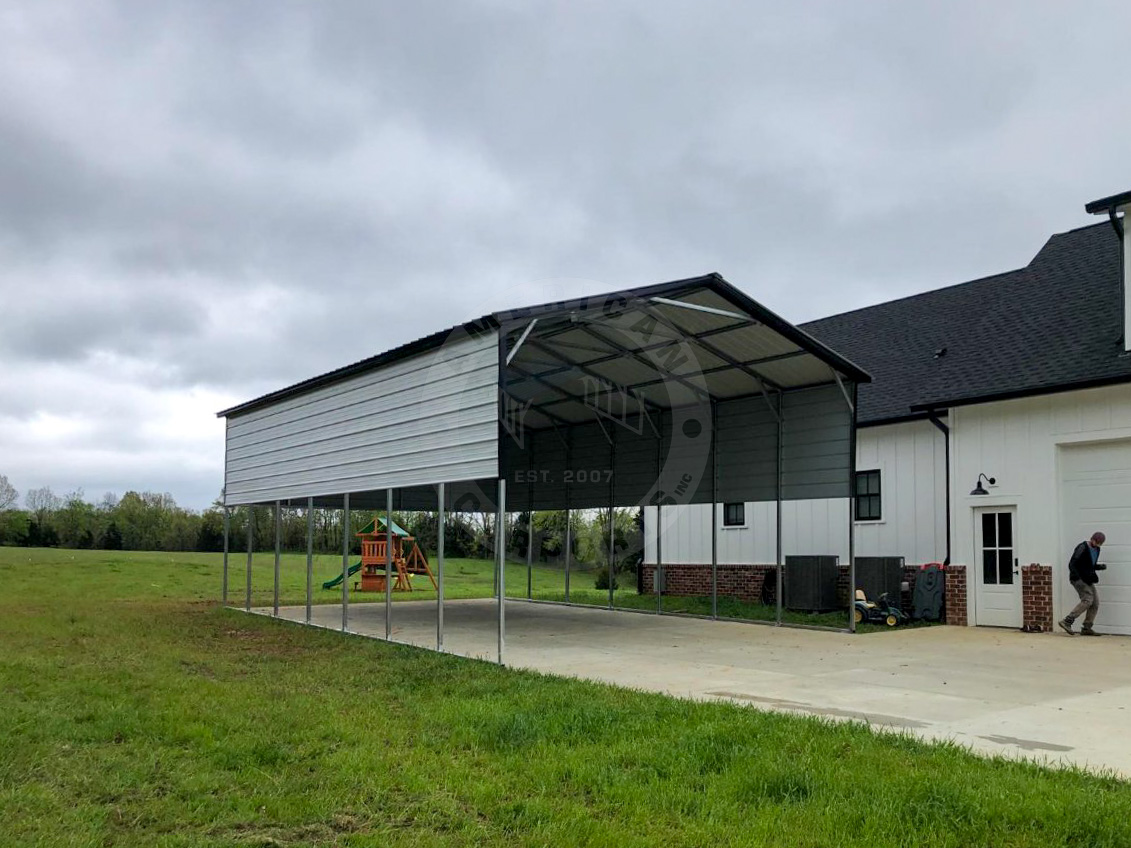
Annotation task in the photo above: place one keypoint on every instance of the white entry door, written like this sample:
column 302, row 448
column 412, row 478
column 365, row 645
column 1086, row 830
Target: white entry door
column 998, row 603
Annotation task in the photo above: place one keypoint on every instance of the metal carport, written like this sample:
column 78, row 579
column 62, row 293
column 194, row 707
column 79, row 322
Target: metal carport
column 678, row 393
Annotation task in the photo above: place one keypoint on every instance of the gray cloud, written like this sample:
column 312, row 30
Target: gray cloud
column 201, row 201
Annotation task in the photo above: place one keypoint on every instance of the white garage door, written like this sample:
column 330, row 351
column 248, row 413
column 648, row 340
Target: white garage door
column 1096, row 495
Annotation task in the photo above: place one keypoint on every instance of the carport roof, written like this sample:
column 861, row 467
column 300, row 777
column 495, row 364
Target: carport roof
column 668, row 344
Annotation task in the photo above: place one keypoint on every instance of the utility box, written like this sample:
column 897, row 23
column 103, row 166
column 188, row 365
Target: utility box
column 877, row 575
column 810, row 583
column 658, row 582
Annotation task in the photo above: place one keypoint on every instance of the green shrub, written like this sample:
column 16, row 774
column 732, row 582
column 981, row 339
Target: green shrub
column 601, row 580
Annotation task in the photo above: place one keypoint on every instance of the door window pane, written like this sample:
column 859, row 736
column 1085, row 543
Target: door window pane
column 989, row 529
column 1005, row 566
column 989, row 567
column 1005, row 530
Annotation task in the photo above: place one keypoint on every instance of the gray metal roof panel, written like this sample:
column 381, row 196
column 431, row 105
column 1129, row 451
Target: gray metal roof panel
column 711, row 290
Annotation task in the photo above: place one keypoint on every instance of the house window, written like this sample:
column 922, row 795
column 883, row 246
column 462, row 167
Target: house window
column 734, row 515
column 868, row 496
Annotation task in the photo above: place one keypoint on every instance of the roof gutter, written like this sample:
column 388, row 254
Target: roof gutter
column 1014, row 394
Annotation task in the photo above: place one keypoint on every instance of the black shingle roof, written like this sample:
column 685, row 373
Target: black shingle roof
column 1053, row 325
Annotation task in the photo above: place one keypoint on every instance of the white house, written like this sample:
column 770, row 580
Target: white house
column 996, row 433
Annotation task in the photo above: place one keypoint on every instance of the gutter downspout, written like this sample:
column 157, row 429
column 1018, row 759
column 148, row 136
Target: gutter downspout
column 933, row 417
column 1116, row 222
column 1117, row 226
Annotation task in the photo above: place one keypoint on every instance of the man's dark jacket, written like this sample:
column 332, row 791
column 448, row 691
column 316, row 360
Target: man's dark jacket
column 1080, row 567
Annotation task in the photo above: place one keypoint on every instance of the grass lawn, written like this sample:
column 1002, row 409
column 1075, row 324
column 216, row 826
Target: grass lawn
column 192, row 576
column 135, row 711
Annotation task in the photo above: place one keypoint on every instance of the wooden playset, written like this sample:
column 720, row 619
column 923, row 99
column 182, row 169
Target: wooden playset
column 408, row 558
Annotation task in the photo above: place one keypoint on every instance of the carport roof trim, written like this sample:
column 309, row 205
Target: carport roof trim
column 507, row 319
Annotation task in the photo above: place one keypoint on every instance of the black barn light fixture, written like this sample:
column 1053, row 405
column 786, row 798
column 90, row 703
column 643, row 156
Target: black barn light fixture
column 978, row 490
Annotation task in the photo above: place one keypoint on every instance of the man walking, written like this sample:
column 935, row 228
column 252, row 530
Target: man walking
column 1082, row 570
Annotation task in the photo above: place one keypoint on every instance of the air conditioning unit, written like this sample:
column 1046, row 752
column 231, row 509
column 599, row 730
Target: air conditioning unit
column 877, row 575
column 810, row 583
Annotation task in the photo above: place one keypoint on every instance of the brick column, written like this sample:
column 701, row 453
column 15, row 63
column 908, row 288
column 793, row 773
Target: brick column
column 1036, row 598
column 842, row 586
column 956, row 595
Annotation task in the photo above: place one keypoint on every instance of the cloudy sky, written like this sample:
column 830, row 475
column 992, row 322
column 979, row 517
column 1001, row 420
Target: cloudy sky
column 203, row 201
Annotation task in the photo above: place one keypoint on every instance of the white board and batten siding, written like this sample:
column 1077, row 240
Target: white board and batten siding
column 1063, row 463
column 911, row 459
column 426, row 419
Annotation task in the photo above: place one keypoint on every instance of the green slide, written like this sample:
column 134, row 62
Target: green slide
column 337, row 581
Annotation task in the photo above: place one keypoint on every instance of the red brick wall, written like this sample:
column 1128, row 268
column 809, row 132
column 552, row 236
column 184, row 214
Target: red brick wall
column 1036, row 598
column 956, row 595
column 739, row 581
column 745, row 581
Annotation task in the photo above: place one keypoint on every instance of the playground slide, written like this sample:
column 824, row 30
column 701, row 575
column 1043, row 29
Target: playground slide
column 337, row 581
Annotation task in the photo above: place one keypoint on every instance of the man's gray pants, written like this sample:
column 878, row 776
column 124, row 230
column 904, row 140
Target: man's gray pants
column 1089, row 603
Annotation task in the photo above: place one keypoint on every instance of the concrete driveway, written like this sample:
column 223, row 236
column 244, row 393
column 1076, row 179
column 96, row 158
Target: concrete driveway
column 1050, row 697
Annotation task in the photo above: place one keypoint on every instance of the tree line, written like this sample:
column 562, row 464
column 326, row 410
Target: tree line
column 150, row 521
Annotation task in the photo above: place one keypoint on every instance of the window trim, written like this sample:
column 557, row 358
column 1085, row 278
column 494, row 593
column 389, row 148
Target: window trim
column 878, row 519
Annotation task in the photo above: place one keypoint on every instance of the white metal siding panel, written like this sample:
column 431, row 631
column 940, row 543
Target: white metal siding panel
column 911, row 459
column 808, row 527
column 912, row 462
column 422, row 420
column 815, row 527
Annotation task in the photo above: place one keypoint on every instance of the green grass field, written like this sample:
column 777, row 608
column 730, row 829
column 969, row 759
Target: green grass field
column 180, row 576
column 136, row 712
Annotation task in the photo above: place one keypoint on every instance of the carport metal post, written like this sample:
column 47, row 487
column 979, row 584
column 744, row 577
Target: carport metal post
column 612, row 570
column 659, row 574
column 309, row 556
column 530, row 551
column 852, row 514
column 227, row 530
column 345, row 562
column 278, row 543
column 250, row 548
column 440, row 569
column 569, row 529
column 568, row 546
column 612, row 555
column 500, row 562
column 388, row 563
column 777, row 499
column 714, row 518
